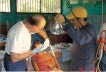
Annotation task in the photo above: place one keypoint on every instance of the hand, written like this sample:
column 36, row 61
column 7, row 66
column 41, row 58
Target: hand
column 60, row 18
column 37, row 50
column 40, row 47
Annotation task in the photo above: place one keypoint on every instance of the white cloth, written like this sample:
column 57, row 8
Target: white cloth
column 46, row 44
column 102, row 28
column 18, row 39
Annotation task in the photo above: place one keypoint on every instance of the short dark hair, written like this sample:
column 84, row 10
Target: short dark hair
column 32, row 21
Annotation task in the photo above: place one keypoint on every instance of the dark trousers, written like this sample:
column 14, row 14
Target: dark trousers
column 10, row 66
column 82, row 60
column 103, row 63
column 103, row 66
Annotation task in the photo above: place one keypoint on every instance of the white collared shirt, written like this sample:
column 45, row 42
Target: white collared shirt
column 18, row 39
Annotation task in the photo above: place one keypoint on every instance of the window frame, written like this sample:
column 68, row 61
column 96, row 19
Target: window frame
column 40, row 9
column 6, row 8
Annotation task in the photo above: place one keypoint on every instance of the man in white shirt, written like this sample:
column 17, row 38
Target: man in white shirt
column 19, row 42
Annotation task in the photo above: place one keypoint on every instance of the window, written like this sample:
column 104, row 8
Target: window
column 85, row 1
column 50, row 6
column 74, row 1
column 28, row 5
column 39, row 6
column 4, row 5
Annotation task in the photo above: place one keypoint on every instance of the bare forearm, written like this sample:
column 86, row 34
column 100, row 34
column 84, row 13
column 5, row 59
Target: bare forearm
column 34, row 64
column 57, row 63
column 17, row 57
column 43, row 34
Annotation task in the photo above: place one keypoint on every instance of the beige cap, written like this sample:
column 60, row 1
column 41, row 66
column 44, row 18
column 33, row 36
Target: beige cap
column 79, row 12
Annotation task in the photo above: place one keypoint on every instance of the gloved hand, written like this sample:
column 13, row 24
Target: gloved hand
column 37, row 50
column 42, row 47
column 46, row 44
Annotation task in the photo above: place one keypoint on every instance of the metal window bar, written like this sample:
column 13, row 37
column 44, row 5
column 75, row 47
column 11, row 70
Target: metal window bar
column 50, row 6
column 39, row 6
column 4, row 5
column 85, row 1
column 28, row 6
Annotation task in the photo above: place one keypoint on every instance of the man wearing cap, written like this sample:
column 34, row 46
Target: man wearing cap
column 84, row 39
column 18, row 45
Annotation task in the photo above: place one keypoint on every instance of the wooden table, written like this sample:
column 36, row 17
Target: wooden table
column 63, row 38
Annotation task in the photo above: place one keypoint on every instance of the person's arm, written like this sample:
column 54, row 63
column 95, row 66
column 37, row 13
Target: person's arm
column 84, row 35
column 16, row 45
column 54, row 62
column 15, row 57
column 35, row 66
column 43, row 34
column 17, row 52
column 20, row 56
column 46, row 41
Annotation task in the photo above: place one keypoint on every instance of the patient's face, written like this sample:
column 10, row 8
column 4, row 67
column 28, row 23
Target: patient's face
column 37, row 44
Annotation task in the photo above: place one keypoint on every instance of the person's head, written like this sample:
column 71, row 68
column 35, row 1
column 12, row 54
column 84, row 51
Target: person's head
column 35, row 23
column 37, row 44
column 78, row 17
